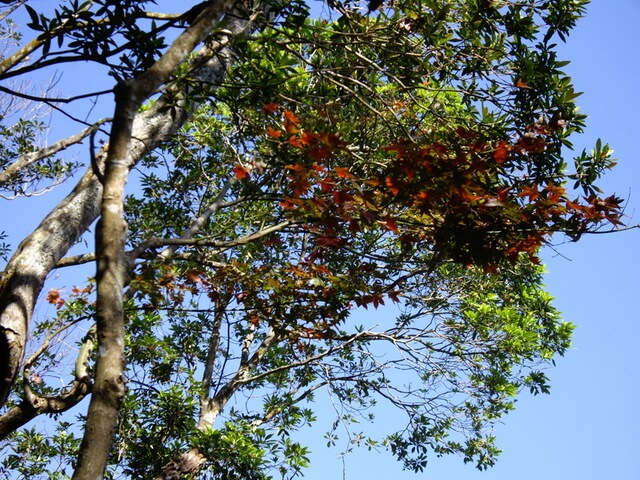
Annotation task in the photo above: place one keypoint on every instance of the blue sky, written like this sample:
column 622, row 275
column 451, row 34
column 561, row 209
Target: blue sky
column 588, row 427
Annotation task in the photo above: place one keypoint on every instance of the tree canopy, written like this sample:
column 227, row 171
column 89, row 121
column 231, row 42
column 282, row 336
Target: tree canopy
column 289, row 165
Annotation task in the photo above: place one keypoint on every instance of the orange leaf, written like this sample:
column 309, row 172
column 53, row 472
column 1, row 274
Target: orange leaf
column 291, row 117
column 295, row 141
column 296, row 167
column 53, row 297
column 291, row 122
column 240, row 172
column 391, row 183
column 269, row 108
column 554, row 192
column 343, row 172
column 502, row 153
column 290, row 203
column 531, row 192
column 272, row 132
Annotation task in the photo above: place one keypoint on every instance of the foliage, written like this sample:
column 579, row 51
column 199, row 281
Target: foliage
column 407, row 160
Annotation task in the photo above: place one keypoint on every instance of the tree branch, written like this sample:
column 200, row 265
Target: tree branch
column 33, row 405
column 27, row 159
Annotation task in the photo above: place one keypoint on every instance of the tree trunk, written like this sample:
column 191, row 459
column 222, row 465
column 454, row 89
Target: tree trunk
column 111, row 277
column 113, row 264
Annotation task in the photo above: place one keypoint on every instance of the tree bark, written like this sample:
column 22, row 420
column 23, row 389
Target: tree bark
column 32, row 406
column 111, row 278
column 113, row 264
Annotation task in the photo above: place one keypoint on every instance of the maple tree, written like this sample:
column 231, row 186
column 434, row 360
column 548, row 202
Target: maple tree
column 286, row 170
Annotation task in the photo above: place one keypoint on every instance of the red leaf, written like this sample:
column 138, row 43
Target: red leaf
column 326, row 185
column 269, row 108
column 330, row 242
column 391, row 224
column 368, row 215
column 464, row 133
column 340, row 197
column 194, row 276
column 272, row 132
column 320, row 153
column 502, row 153
column 240, row 172
column 393, row 295
column 308, row 137
column 530, row 143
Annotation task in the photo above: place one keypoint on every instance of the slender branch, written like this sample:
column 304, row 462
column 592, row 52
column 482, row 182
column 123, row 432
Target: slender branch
column 48, row 100
column 348, row 341
column 12, row 8
column 47, row 342
column 156, row 242
column 27, row 159
column 204, row 242
column 212, row 354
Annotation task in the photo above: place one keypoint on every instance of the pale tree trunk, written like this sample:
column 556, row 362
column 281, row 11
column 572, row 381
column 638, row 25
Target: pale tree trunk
column 39, row 253
column 25, row 274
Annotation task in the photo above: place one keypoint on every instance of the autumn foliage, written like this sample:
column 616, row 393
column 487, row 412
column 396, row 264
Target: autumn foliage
column 466, row 196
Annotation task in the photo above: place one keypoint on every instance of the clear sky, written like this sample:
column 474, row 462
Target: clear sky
column 588, row 428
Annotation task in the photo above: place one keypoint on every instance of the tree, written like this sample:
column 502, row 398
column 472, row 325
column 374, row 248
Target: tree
column 290, row 169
